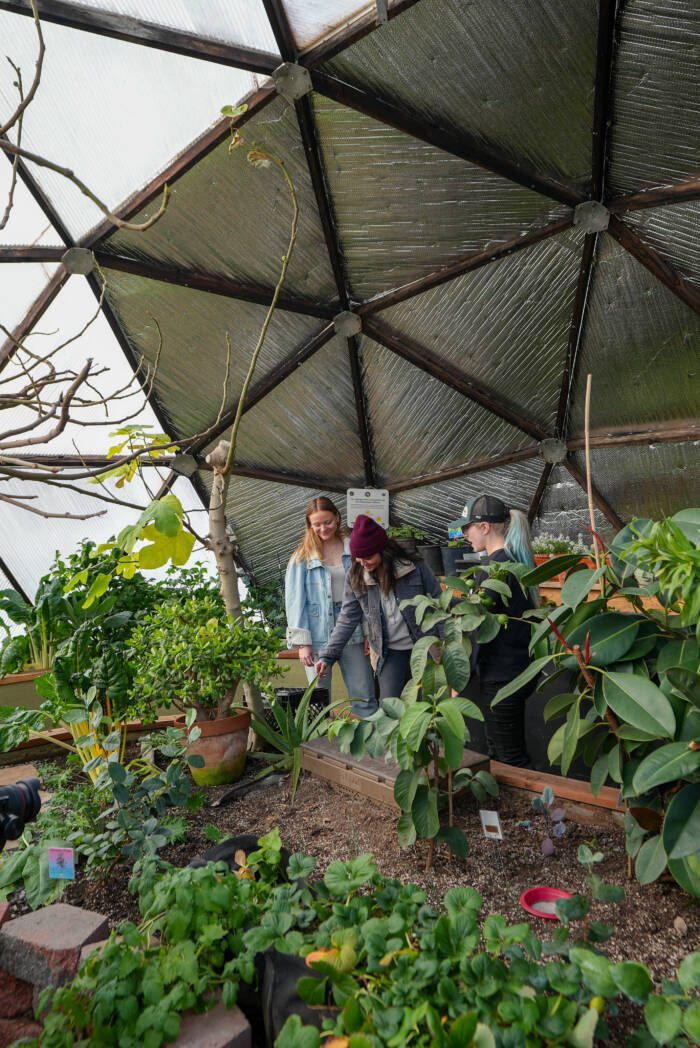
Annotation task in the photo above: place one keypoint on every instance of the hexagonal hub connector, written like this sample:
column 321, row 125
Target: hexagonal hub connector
column 347, row 324
column 553, row 450
column 292, row 81
column 591, row 216
column 79, row 260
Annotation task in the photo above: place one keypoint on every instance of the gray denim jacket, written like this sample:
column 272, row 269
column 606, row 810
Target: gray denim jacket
column 411, row 581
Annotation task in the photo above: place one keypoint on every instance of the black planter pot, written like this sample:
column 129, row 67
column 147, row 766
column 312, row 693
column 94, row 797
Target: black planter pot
column 409, row 545
column 450, row 556
column 225, row 851
column 279, row 997
column 432, row 556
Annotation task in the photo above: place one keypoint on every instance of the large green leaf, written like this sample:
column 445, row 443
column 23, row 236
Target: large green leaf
column 640, row 703
column 414, row 724
column 425, row 812
column 528, row 674
column 456, row 665
column 549, row 569
column 405, row 830
column 663, row 1018
column 611, row 635
column 669, row 763
column 681, row 830
column 684, row 653
column 651, row 860
column 405, row 787
column 685, row 682
column 579, row 584
column 687, row 873
column 688, row 520
column 453, row 745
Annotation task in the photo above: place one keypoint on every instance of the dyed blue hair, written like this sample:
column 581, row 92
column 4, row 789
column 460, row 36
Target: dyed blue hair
column 518, row 544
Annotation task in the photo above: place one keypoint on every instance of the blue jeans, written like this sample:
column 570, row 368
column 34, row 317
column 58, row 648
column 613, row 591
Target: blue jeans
column 357, row 675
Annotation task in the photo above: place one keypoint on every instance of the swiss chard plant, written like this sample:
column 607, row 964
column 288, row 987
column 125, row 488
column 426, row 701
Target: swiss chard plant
column 628, row 631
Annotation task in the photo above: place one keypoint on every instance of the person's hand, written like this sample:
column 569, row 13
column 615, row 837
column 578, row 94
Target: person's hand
column 305, row 656
column 320, row 668
column 365, row 646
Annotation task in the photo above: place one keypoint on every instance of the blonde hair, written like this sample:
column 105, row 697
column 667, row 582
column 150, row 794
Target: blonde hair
column 310, row 545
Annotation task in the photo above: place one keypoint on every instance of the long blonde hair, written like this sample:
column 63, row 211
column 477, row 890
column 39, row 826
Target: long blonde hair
column 310, row 545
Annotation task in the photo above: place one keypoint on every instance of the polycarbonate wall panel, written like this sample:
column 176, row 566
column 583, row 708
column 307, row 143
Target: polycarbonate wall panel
column 655, row 95
column 506, row 324
column 312, row 20
column 420, row 426
column 520, row 77
column 640, row 343
column 231, row 219
column 233, row 21
column 97, row 409
column 20, row 284
column 654, row 481
column 309, row 424
column 193, row 356
column 564, row 509
column 116, row 113
column 27, row 223
column 674, row 231
column 431, row 508
column 405, row 208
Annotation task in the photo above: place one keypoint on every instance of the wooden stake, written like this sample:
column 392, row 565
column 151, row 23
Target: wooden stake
column 589, row 482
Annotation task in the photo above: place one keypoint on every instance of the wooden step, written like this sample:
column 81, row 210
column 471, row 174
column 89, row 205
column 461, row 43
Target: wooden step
column 367, row 776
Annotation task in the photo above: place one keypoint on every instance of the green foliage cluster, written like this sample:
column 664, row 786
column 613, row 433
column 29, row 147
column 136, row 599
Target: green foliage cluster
column 633, row 713
column 266, row 602
column 191, row 656
column 398, row 971
column 406, row 531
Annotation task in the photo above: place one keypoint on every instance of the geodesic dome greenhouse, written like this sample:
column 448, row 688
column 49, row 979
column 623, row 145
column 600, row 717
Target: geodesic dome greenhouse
column 497, row 198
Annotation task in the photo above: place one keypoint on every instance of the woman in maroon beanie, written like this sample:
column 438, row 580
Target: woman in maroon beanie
column 382, row 575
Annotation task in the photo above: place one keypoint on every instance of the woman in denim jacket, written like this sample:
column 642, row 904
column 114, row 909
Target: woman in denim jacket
column 381, row 577
column 314, row 586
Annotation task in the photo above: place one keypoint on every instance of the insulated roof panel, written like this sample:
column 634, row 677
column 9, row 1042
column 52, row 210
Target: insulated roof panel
column 193, row 324
column 405, row 208
column 231, row 219
column 564, row 509
column 641, row 344
column 673, row 231
column 313, row 20
column 506, row 324
column 519, row 77
column 657, row 483
column 441, row 429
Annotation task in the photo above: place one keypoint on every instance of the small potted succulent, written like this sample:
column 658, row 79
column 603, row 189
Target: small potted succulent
column 188, row 654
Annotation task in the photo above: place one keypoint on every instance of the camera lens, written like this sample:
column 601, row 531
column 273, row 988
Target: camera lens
column 19, row 804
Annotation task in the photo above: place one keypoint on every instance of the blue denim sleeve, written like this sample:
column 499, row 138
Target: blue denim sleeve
column 345, row 625
column 298, row 631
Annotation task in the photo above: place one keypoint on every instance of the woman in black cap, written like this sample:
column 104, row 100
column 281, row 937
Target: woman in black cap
column 381, row 576
column 504, row 535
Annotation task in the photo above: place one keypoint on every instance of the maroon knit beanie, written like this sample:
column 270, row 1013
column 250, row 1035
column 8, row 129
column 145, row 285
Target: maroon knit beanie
column 367, row 537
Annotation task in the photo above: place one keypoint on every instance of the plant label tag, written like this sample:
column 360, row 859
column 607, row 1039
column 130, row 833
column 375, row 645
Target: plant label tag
column 491, row 824
column 373, row 502
column 62, row 864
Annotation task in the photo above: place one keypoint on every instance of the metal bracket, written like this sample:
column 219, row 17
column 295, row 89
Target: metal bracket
column 553, row 450
column 382, row 11
column 347, row 324
column 591, row 216
column 78, row 261
column 184, row 465
column 292, row 81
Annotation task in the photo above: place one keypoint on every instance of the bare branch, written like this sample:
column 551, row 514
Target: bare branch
column 26, row 100
column 63, row 416
column 19, row 502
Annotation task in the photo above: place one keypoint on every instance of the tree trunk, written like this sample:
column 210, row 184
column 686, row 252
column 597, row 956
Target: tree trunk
column 222, row 548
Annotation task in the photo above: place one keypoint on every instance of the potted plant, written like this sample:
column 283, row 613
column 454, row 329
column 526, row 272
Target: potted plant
column 417, row 543
column 192, row 656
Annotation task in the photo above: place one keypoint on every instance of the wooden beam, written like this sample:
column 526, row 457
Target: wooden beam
column 462, row 145
column 215, row 284
column 12, row 578
column 470, row 261
column 674, row 431
column 652, row 260
column 578, row 315
column 602, row 102
column 297, row 480
column 282, row 30
column 201, row 147
column 31, row 253
column 539, row 492
column 361, row 412
column 32, row 316
column 645, row 198
column 140, row 31
column 468, row 386
column 601, row 503
column 507, row 459
column 349, row 33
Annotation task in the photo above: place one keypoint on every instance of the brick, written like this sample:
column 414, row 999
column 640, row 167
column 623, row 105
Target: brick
column 219, row 1028
column 4, row 912
column 44, row 947
column 12, row 1030
column 15, row 996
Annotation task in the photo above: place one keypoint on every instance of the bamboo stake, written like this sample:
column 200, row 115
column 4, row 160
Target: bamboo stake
column 589, row 482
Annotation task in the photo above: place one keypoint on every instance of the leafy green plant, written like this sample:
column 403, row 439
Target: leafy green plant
column 633, row 713
column 406, row 531
column 293, row 729
column 266, row 602
column 191, row 656
column 546, row 543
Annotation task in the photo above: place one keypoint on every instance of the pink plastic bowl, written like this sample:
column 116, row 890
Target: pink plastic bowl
column 540, row 901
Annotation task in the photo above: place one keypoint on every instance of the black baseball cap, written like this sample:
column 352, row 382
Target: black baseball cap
column 483, row 508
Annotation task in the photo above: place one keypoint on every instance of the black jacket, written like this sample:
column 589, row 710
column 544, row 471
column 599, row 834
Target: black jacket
column 504, row 657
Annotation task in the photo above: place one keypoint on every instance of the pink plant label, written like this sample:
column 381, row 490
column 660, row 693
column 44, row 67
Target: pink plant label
column 61, row 864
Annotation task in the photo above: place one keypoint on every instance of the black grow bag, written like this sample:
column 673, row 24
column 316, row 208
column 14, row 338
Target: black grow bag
column 279, row 995
column 225, row 851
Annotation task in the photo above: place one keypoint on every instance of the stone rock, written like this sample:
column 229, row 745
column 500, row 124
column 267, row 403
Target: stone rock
column 15, row 996
column 680, row 926
column 44, row 947
column 12, row 1030
column 220, row 1028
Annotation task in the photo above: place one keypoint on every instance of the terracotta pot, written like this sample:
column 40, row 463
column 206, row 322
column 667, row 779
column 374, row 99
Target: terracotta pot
column 222, row 744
